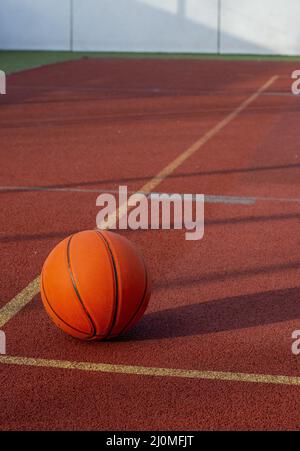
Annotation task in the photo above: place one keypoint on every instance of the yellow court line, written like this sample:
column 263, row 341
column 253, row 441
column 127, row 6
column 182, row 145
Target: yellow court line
column 205, row 138
column 151, row 371
column 18, row 302
column 170, row 168
column 25, row 296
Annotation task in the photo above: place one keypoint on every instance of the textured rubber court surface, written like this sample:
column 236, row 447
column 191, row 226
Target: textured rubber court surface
column 213, row 350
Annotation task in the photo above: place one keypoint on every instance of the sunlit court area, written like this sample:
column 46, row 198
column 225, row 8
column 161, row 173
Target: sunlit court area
column 150, row 212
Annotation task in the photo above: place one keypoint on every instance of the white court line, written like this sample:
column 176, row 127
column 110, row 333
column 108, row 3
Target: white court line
column 209, row 198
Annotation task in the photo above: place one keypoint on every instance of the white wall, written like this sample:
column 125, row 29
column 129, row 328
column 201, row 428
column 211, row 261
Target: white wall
column 146, row 25
column 260, row 26
column 246, row 26
column 35, row 24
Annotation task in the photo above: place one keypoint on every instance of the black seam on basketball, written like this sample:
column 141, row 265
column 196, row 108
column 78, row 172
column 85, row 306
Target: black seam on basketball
column 141, row 303
column 57, row 315
column 116, row 300
column 77, row 292
column 98, row 337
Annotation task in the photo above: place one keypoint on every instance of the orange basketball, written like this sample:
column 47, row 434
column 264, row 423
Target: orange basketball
column 95, row 285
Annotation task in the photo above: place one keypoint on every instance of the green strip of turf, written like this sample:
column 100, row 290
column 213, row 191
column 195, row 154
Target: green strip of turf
column 14, row 61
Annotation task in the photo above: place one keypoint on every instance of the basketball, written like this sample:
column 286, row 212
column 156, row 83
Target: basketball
column 95, row 285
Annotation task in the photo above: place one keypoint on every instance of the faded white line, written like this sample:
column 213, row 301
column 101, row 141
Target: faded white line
column 209, row 198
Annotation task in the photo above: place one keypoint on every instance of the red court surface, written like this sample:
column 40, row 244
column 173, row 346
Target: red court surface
column 227, row 304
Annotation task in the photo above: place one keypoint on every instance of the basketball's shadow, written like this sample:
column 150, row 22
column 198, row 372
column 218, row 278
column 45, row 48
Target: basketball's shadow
column 220, row 315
